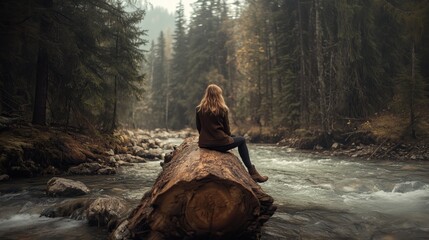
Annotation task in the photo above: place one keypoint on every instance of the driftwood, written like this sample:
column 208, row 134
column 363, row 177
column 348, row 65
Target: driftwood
column 200, row 194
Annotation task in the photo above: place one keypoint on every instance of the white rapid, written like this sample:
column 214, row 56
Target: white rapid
column 338, row 198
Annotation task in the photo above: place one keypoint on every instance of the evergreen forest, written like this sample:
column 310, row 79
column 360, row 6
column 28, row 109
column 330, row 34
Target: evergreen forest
column 295, row 64
column 282, row 64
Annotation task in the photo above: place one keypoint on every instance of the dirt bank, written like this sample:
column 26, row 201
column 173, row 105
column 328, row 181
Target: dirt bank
column 360, row 144
column 28, row 151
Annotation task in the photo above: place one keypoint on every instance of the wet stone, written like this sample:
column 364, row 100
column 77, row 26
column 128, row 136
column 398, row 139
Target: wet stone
column 85, row 169
column 65, row 187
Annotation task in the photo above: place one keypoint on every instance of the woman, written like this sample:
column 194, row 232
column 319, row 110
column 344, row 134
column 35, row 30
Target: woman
column 215, row 134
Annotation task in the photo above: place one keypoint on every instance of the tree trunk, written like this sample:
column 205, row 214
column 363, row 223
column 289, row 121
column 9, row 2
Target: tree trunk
column 413, row 86
column 8, row 105
column 200, row 194
column 320, row 68
column 167, row 100
column 115, row 104
column 39, row 111
column 303, row 99
column 115, row 87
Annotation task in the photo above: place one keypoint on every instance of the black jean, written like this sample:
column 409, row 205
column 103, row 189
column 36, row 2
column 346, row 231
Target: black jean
column 239, row 142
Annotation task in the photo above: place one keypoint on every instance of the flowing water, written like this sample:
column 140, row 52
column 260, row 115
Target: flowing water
column 317, row 198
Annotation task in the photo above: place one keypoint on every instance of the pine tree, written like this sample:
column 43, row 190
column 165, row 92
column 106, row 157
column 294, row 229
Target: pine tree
column 203, row 52
column 84, row 56
column 39, row 113
column 19, row 47
column 252, row 53
column 179, row 71
column 125, row 50
column 159, row 81
column 411, row 15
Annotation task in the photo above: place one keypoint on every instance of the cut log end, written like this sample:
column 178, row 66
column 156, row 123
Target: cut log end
column 210, row 207
column 213, row 209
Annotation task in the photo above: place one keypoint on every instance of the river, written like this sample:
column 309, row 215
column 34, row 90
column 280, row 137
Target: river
column 317, row 197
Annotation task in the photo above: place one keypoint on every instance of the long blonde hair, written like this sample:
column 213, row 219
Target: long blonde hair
column 213, row 101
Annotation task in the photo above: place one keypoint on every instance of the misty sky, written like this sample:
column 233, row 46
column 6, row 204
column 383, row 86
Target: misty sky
column 171, row 5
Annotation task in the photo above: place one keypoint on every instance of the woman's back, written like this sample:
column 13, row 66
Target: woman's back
column 214, row 129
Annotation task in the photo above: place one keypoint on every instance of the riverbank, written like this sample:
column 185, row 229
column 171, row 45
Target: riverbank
column 30, row 151
column 363, row 145
column 382, row 137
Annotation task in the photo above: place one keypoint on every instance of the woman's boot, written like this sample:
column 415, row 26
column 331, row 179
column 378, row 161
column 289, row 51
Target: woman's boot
column 256, row 176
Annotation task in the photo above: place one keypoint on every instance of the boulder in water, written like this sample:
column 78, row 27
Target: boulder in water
column 72, row 208
column 106, row 211
column 106, row 171
column 65, row 187
column 101, row 211
column 407, row 186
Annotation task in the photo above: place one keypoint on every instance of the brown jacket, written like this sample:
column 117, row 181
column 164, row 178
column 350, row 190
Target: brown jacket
column 214, row 130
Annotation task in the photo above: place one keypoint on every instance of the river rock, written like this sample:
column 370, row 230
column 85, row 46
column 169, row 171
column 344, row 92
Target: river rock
column 110, row 152
column 143, row 138
column 129, row 133
column 65, row 187
column 137, row 149
column 106, row 211
column 335, row 145
column 158, row 142
column 101, row 211
column 151, row 143
column 112, row 160
column 149, row 154
column 156, row 153
column 106, row 171
column 407, row 186
column 129, row 158
column 85, row 169
column 72, row 208
column 4, row 177
column 318, row 147
column 123, row 163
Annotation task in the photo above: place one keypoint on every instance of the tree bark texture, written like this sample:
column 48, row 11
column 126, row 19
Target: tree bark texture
column 41, row 94
column 303, row 98
column 320, row 67
column 201, row 194
column 413, row 88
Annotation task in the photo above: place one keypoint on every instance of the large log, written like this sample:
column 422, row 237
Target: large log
column 200, row 194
